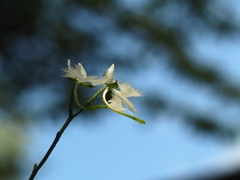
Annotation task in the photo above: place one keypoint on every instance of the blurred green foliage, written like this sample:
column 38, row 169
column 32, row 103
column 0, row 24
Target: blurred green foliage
column 12, row 140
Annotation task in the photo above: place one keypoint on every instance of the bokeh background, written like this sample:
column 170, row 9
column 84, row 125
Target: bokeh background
column 184, row 55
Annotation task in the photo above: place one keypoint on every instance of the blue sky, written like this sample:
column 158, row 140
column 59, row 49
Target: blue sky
column 119, row 148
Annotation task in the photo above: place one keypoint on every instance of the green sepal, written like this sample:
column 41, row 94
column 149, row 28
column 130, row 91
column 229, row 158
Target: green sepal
column 84, row 84
column 72, row 79
column 113, row 85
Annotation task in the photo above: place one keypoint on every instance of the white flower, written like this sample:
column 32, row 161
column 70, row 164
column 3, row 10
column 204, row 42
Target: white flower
column 121, row 97
column 107, row 77
column 78, row 73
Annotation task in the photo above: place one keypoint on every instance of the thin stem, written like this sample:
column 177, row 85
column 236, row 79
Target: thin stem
column 54, row 143
column 60, row 132
column 75, row 94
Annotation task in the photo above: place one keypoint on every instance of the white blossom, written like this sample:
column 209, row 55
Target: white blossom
column 107, row 77
column 121, row 97
column 78, row 73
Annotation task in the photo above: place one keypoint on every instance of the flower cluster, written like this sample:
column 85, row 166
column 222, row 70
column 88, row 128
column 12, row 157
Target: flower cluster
column 114, row 95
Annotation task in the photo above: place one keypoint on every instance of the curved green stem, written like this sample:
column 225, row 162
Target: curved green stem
column 90, row 100
column 120, row 112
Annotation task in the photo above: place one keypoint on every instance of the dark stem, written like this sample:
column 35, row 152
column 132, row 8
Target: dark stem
column 58, row 136
column 54, row 143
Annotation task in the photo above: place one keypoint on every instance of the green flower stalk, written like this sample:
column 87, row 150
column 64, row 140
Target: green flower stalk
column 75, row 95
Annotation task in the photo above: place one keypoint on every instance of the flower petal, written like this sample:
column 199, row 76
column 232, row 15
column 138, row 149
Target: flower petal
column 81, row 70
column 124, row 100
column 109, row 74
column 78, row 73
column 107, row 77
column 129, row 91
column 116, row 103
